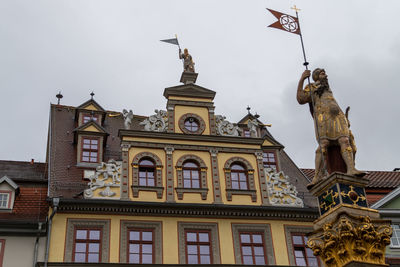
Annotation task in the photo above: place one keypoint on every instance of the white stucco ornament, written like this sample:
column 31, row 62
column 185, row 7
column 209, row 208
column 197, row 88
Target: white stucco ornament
column 157, row 122
column 280, row 191
column 225, row 127
column 107, row 176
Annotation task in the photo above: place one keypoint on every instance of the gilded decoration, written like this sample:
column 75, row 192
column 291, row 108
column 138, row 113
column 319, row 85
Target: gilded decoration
column 280, row 191
column 157, row 122
column 351, row 239
column 329, row 199
column 106, row 177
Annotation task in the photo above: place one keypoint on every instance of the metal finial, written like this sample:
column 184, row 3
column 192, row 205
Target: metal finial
column 92, row 95
column 248, row 109
column 295, row 8
column 59, row 96
column 256, row 116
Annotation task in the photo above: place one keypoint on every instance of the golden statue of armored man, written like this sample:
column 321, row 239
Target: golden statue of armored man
column 331, row 127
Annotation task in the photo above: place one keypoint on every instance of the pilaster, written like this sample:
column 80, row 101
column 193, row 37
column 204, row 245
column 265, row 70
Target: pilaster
column 170, row 174
column 125, row 172
column 261, row 178
column 215, row 176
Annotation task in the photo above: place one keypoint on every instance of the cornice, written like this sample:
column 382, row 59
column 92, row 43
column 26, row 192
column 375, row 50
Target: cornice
column 186, row 209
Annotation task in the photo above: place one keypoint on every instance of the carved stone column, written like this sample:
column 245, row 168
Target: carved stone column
column 348, row 233
column 171, row 118
column 170, row 174
column 125, row 172
column 261, row 178
column 215, row 176
column 213, row 127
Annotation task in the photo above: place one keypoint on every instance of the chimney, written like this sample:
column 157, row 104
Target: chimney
column 32, row 161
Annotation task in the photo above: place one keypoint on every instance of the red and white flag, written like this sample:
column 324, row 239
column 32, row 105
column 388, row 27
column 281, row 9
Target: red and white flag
column 285, row 22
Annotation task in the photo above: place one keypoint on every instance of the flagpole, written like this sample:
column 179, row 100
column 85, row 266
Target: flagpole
column 311, row 93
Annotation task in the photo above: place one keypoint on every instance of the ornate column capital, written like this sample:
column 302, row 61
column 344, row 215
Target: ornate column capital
column 169, row 150
column 259, row 154
column 214, row 152
column 125, row 147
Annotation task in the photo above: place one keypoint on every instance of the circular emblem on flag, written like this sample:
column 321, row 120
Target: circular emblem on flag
column 288, row 23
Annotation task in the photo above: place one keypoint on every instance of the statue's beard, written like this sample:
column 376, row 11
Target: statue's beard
column 324, row 86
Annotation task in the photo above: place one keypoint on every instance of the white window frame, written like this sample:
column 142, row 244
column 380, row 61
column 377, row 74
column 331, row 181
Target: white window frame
column 396, row 234
column 8, row 193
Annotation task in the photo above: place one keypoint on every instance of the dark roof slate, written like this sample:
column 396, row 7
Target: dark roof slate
column 19, row 171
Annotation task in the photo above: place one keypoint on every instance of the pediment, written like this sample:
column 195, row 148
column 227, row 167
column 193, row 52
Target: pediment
column 91, row 105
column 91, row 126
column 391, row 200
column 189, row 90
column 10, row 182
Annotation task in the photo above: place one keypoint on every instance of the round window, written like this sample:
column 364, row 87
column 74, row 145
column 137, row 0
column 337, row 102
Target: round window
column 191, row 124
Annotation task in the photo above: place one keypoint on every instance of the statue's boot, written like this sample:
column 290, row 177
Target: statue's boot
column 347, row 155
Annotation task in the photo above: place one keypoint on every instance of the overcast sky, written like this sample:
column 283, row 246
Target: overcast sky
column 113, row 48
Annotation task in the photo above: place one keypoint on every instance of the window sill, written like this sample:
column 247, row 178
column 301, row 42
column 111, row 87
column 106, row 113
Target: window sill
column 5, row 210
column 252, row 193
column 137, row 188
column 181, row 190
column 87, row 164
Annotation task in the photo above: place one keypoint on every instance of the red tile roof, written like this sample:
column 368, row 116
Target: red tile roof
column 377, row 179
column 29, row 205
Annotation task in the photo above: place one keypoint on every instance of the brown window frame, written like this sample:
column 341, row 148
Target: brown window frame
column 303, row 247
column 191, row 169
column 87, row 242
column 90, row 150
column 198, row 244
column 2, row 245
column 147, row 170
column 9, row 193
column 90, row 116
column 238, row 176
column 252, row 245
column 265, row 163
column 141, row 242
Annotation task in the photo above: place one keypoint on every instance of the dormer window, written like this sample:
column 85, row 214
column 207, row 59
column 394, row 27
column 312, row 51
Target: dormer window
column 5, row 200
column 88, row 117
column 90, row 149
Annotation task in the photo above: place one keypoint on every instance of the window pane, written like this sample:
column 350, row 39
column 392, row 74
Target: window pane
column 237, row 167
column 85, row 153
column 312, row 262
column 192, row 249
column 95, row 141
column 260, row 260
column 297, row 240
column 257, row 239
column 81, row 234
column 186, row 174
column 195, row 184
column 186, row 184
column 142, row 181
column 205, row 250
column 195, row 175
column 94, row 235
column 133, row 248
column 146, row 162
column 203, row 237
column 147, row 259
column 94, row 247
column 246, row 251
column 235, row 185
column 80, row 247
column 309, row 252
column 300, row 262
column 133, row 235
column 243, row 185
column 247, row 260
column 205, row 259
column 299, row 253
column 86, row 141
column 150, row 182
column 242, row 176
column 192, row 259
column 245, row 238
column 147, row 249
column 93, row 147
column 80, row 257
column 150, row 174
column 93, row 257
column 259, row 251
column 190, row 165
column 191, row 237
column 133, row 258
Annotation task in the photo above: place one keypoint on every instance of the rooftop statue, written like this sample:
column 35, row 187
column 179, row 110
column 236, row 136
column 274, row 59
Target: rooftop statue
column 331, row 126
column 188, row 64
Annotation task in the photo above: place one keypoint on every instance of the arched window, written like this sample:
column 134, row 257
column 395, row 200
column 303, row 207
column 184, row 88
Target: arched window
column 191, row 175
column 239, row 177
column 147, row 171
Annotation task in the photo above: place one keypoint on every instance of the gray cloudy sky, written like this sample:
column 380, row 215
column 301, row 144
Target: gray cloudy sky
column 113, row 48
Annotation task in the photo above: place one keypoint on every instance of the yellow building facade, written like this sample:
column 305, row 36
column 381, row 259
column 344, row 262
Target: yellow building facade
column 182, row 186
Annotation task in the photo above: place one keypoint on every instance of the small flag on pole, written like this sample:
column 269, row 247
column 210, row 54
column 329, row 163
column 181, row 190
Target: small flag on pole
column 171, row 41
column 285, row 22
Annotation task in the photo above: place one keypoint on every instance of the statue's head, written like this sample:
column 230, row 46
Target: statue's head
column 319, row 74
column 185, row 51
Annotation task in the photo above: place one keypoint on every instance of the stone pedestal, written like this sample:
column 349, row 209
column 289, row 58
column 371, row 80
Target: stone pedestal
column 188, row 77
column 348, row 233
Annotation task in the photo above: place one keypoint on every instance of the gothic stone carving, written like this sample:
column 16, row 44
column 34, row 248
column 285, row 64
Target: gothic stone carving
column 157, row 122
column 280, row 191
column 107, row 176
column 226, row 128
column 351, row 238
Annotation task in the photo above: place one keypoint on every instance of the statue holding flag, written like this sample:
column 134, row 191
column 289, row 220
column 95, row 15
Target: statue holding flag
column 331, row 125
column 188, row 64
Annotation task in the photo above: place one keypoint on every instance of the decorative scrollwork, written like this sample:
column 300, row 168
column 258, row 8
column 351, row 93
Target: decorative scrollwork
column 225, row 127
column 157, row 122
